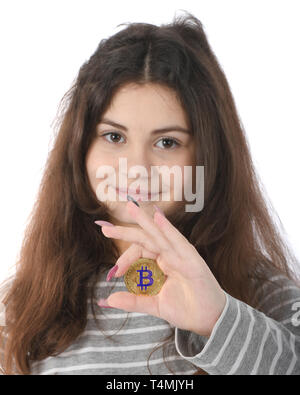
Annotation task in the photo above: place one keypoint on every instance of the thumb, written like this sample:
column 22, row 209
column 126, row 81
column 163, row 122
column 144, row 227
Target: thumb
column 134, row 303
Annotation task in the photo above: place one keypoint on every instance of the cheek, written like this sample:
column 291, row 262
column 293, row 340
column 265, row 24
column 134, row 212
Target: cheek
column 94, row 160
column 184, row 179
column 91, row 167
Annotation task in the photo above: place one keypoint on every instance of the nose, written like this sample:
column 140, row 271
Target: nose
column 139, row 156
column 139, row 163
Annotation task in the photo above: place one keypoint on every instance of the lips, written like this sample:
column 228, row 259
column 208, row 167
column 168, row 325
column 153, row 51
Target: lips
column 136, row 195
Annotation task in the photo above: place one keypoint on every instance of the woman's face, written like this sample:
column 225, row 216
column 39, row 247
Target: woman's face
column 139, row 111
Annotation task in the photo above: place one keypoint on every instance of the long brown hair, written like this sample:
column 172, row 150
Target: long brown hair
column 63, row 250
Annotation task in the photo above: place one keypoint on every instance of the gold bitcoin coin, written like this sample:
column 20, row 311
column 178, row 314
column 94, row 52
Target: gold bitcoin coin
column 144, row 277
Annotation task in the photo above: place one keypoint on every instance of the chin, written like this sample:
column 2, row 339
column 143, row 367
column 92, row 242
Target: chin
column 119, row 213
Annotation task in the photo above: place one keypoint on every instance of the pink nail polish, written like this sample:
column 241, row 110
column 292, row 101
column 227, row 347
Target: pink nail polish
column 158, row 209
column 103, row 303
column 103, row 223
column 111, row 273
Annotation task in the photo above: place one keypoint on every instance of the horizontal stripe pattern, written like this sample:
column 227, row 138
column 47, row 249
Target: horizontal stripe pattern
column 245, row 340
column 128, row 349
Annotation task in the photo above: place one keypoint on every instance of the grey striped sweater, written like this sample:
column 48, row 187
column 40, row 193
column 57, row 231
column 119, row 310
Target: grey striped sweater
column 244, row 341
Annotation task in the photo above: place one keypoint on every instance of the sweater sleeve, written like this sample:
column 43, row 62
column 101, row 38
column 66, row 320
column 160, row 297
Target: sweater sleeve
column 250, row 341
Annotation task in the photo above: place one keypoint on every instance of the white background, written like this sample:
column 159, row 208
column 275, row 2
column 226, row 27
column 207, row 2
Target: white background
column 44, row 43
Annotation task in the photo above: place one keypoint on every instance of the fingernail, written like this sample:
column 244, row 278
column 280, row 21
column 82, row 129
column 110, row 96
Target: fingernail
column 158, row 209
column 103, row 303
column 112, row 272
column 103, row 223
column 134, row 201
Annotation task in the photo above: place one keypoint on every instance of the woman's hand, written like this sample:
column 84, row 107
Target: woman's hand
column 191, row 297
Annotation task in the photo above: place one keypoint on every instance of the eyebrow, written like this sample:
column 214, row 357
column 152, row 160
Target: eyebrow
column 156, row 131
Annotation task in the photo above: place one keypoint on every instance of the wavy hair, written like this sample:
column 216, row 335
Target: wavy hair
column 63, row 250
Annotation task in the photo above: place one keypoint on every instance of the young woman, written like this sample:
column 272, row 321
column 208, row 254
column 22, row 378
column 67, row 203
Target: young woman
column 154, row 95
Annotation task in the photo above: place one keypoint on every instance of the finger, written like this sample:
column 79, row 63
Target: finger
column 178, row 241
column 148, row 225
column 134, row 303
column 133, row 235
column 132, row 254
column 165, row 259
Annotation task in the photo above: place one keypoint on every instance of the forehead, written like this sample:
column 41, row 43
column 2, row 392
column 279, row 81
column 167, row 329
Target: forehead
column 148, row 103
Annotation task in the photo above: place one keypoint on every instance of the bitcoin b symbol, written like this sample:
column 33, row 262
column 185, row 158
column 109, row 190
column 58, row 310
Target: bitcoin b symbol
column 142, row 278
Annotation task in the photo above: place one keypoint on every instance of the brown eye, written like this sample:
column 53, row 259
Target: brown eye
column 170, row 143
column 115, row 137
